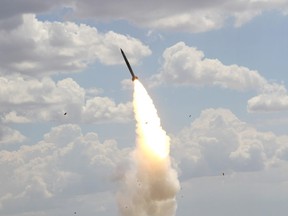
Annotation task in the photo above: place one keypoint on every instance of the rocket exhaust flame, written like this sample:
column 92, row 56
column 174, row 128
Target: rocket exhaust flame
column 151, row 185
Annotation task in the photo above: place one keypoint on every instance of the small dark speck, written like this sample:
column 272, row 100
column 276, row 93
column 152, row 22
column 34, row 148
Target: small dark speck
column 66, row 114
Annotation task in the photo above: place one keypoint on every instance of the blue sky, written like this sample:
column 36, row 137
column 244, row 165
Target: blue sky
column 216, row 70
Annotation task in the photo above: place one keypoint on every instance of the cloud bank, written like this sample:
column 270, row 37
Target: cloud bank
column 25, row 100
column 184, row 65
column 64, row 164
column 38, row 48
column 187, row 16
column 68, row 164
column 217, row 141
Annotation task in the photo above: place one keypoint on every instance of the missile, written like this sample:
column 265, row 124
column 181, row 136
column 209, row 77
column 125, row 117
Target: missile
column 128, row 65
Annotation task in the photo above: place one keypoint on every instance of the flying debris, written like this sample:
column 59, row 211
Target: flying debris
column 65, row 113
column 223, row 174
column 128, row 65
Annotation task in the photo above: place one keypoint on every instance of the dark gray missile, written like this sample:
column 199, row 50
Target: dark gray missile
column 128, row 65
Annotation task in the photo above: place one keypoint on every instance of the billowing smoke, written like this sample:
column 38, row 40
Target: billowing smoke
column 151, row 185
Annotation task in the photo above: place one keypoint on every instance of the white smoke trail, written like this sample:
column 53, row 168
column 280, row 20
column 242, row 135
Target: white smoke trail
column 151, row 186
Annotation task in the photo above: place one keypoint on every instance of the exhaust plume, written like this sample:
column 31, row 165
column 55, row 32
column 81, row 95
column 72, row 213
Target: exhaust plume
column 150, row 186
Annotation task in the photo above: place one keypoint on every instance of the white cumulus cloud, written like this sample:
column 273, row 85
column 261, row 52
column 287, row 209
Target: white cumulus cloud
column 273, row 98
column 185, row 65
column 219, row 142
column 25, row 100
column 188, row 65
column 10, row 136
column 64, row 164
column 40, row 48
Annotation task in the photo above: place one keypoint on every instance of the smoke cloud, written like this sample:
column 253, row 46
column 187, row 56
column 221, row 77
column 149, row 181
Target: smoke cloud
column 150, row 186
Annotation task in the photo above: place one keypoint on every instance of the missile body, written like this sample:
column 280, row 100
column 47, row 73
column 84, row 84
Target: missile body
column 128, row 65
